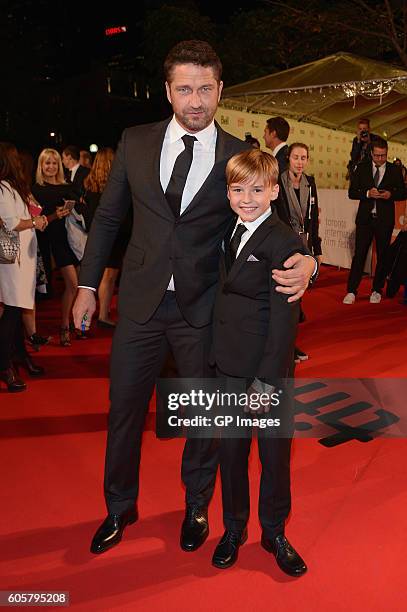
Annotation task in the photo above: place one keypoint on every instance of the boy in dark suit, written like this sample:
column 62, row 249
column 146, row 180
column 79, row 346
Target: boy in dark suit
column 254, row 336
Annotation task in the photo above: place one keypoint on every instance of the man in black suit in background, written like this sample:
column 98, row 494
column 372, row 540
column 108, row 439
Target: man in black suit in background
column 173, row 174
column 275, row 137
column 75, row 173
column 377, row 184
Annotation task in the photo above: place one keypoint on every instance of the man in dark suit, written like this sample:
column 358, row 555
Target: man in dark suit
column 377, row 185
column 275, row 137
column 75, row 173
column 254, row 336
column 172, row 173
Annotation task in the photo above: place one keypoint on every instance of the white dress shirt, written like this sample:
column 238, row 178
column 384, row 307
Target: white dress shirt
column 202, row 162
column 73, row 172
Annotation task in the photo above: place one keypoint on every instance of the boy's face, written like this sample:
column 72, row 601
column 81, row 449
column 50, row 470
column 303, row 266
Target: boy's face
column 251, row 199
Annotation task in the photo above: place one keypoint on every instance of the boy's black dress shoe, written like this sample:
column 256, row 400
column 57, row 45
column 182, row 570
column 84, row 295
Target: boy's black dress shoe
column 111, row 530
column 288, row 560
column 227, row 550
column 195, row 528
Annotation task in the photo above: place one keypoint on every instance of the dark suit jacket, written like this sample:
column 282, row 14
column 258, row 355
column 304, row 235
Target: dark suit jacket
column 281, row 157
column 311, row 219
column 77, row 183
column 362, row 181
column 161, row 245
column 254, row 326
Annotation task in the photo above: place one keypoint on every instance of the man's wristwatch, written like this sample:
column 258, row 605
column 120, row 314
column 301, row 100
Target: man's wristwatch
column 33, row 222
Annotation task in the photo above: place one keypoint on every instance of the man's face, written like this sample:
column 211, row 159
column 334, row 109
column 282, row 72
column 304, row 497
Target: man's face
column 251, row 199
column 268, row 138
column 67, row 161
column 379, row 156
column 193, row 93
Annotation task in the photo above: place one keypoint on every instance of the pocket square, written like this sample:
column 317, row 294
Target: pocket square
column 252, row 258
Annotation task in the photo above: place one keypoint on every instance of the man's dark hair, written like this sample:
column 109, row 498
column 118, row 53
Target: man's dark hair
column 364, row 120
column 280, row 126
column 380, row 143
column 196, row 52
column 73, row 151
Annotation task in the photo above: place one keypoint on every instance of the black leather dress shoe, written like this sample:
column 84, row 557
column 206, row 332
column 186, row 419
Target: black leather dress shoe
column 227, row 550
column 111, row 530
column 32, row 368
column 195, row 528
column 288, row 560
column 14, row 384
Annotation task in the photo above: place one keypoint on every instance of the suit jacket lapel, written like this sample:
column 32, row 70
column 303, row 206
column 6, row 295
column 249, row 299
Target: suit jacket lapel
column 155, row 145
column 385, row 174
column 258, row 237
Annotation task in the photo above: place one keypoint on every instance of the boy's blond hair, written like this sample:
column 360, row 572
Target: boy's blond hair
column 248, row 165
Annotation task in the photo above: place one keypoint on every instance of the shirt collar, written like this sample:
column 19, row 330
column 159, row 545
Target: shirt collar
column 205, row 137
column 75, row 167
column 253, row 225
column 278, row 147
column 374, row 166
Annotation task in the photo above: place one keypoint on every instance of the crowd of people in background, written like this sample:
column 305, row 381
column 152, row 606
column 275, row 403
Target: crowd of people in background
column 37, row 201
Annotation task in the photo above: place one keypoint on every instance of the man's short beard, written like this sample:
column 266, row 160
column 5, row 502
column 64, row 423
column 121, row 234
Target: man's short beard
column 198, row 125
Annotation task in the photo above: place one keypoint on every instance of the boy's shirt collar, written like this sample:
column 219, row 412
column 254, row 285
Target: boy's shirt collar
column 253, row 225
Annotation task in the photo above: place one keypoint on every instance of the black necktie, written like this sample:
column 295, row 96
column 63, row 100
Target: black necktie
column 235, row 242
column 179, row 175
column 376, row 178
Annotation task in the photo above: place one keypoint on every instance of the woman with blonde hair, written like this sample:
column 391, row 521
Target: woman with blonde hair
column 18, row 279
column 94, row 185
column 54, row 195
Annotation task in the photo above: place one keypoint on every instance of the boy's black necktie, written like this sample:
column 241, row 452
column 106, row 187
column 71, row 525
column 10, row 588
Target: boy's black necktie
column 179, row 175
column 235, row 242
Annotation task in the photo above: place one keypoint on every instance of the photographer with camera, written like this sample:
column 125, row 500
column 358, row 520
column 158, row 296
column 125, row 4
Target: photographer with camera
column 361, row 145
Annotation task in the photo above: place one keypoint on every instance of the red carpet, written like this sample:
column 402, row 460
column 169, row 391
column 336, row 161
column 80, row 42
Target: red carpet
column 348, row 520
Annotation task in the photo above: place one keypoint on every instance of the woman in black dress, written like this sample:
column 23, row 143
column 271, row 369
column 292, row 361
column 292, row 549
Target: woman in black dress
column 52, row 192
column 94, row 185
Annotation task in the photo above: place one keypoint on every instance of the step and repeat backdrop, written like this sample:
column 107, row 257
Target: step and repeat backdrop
column 329, row 149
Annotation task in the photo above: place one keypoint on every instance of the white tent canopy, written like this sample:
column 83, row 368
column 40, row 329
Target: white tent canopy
column 332, row 92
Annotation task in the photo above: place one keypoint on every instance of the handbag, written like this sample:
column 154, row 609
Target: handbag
column 9, row 245
column 76, row 231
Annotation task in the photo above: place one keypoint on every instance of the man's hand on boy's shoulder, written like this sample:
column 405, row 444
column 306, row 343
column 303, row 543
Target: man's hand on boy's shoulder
column 295, row 279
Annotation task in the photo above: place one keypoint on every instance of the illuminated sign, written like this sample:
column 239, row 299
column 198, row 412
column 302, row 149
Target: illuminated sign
column 116, row 30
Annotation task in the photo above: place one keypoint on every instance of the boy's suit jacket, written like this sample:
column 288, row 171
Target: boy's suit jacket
column 362, row 181
column 188, row 247
column 254, row 326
